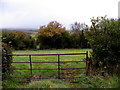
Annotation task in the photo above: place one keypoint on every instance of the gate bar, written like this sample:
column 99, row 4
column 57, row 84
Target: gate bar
column 30, row 64
column 58, row 66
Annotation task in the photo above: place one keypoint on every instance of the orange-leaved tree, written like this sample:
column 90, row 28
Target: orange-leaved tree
column 53, row 35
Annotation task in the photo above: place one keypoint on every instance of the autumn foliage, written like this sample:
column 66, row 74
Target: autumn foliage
column 52, row 36
column 53, row 28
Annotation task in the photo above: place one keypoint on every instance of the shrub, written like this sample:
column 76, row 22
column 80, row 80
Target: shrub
column 104, row 38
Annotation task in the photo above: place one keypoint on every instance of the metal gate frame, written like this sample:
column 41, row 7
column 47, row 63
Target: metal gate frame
column 30, row 61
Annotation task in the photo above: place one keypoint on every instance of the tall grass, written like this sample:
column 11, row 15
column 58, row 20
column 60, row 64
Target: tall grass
column 83, row 82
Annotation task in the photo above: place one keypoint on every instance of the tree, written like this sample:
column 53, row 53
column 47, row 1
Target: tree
column 78, row 30
column 18, row 39
column 52, row 36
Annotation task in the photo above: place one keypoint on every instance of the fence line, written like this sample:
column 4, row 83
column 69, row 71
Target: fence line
column 58, row 58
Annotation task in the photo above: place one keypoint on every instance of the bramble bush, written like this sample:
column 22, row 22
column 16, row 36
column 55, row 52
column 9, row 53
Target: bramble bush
column 104, row 38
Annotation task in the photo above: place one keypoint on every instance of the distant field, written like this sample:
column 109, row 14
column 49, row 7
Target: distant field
column 50, row 51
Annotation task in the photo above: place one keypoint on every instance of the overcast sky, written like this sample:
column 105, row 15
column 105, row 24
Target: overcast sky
column 35, row 13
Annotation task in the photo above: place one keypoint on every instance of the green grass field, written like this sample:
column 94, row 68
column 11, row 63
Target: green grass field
column 17, row 78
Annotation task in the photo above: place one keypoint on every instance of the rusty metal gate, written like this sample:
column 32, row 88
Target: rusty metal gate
column 58, row 61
